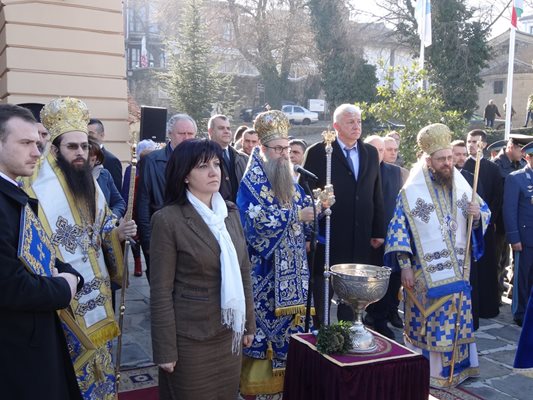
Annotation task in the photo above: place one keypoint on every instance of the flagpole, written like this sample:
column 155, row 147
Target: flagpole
column 422, row 22
column 510, row 72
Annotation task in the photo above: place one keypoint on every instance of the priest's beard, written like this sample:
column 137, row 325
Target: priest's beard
column 80, row 181
column 444, row 177
column 279, row 174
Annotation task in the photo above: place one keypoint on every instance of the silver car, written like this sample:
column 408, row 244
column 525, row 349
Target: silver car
column 300, row 115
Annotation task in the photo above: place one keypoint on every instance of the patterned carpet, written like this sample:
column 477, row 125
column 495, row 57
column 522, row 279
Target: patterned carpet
column 139, row 384
column 453, row 394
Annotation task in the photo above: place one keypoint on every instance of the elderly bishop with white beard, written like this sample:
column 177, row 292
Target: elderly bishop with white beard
column 275, row 213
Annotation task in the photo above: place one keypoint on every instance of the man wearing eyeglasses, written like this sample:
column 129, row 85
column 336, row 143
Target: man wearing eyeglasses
column 357, row 219
column 275, row 213
column 233, row 161
column 427, row 240
column 85, row 233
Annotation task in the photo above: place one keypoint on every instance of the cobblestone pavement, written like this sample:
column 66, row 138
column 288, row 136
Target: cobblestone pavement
column 496, row 342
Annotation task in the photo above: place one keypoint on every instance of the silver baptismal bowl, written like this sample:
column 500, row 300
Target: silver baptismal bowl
column 360, row 285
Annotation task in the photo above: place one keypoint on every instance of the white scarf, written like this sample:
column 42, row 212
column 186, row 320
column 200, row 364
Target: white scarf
column 232, row 300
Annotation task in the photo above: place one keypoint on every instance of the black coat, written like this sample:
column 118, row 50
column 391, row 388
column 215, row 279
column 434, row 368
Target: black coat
column 391, row 184
column 150, row 195
column 491, row 190
column 358, row 213
column 232, row 178
column 114, row 166
column 35, row 360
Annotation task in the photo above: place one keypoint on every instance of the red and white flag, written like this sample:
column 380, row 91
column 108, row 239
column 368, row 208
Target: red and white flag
column 144, row 54
column 518, row 8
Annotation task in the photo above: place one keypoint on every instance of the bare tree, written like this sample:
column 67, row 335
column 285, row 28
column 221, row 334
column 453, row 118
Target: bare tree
column 272, row 35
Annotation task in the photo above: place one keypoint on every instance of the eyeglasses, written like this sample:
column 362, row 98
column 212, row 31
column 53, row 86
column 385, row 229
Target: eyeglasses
column 76, row 146
column 442, row 160
column 279, row 149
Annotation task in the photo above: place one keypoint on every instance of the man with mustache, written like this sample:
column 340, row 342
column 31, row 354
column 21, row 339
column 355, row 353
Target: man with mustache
column 427, row 240
column 275, row 213
column 85, row 234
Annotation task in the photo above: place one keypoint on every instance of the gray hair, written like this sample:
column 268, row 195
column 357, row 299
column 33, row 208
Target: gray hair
column 147, row 144
column 180, row 117
column 211, row 122
column 371, row 138
column 345, row 109
column 389, row 139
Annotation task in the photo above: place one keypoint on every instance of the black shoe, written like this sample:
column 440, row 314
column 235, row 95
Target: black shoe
column 368, row 320
column 385, row 330
column 518, row 321
column 395, row 320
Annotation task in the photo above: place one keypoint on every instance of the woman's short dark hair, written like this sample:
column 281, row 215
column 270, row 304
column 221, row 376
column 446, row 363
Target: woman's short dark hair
column 187, row 155
column 96, row 150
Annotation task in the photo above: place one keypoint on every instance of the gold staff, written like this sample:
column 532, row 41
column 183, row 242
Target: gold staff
column 125, row 272
column 467, row 260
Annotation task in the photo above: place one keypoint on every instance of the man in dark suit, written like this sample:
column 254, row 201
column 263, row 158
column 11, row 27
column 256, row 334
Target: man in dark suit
column 357, row 220
column 518, row 219
column 111, row 163
column 490, row 190
column 391, row 183
column 509, row 159
column 234, row 162
column 35, row 359
column 151, row 186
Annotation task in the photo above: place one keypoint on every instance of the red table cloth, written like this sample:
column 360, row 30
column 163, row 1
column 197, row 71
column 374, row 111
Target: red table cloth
column 391, row 372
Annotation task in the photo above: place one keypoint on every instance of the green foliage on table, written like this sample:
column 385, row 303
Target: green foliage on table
column 334, row 338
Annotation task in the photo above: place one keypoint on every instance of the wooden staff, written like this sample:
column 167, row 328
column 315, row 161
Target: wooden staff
column 470, row 222
column 125, row 272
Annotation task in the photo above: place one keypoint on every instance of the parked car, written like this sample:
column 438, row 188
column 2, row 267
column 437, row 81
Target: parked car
column 478, row 122
column 249, row 114
column 299, row 115
column 386, row 126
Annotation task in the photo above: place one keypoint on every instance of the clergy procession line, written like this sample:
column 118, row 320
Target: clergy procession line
column 233, row 258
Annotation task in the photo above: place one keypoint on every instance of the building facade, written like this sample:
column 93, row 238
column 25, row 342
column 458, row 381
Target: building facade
column 67, row 48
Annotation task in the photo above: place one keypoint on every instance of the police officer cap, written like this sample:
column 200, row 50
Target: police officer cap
column 497, row 146
column 528, row 148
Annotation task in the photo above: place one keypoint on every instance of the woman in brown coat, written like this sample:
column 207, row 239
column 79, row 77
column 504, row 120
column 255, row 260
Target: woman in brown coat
column 201, row 296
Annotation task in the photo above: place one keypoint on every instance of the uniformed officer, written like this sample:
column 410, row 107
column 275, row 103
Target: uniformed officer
column 494, row 148
column 518, row 219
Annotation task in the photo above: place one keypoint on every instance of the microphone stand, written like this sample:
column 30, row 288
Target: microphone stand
column 311, row 257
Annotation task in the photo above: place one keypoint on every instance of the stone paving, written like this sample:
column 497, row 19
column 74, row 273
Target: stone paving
column 496, row 342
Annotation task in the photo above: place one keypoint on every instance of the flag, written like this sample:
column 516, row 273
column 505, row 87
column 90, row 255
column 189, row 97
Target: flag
column 518, row 8
column 144, row 54
column 423, row 19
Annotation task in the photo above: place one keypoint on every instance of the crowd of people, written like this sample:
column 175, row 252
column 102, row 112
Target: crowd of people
column 225, row 226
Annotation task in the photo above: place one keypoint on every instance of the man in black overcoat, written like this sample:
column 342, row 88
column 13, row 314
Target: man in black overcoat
column 491, row 190
column 357, row 220
column 35, row 359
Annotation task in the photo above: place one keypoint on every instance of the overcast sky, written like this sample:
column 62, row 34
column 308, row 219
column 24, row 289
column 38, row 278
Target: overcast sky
column 501, row 26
